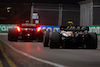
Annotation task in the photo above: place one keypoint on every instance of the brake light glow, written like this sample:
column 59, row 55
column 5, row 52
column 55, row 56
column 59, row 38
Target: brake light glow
column 18, row 28
column 38, row 29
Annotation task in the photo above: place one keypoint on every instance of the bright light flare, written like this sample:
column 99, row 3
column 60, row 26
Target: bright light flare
column 38, row 29
column 18, row 28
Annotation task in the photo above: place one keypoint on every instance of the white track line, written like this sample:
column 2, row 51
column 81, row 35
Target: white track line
column 3, row 33
column 32, row 57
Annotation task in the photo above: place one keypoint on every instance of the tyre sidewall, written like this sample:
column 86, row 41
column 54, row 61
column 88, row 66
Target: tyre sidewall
column 91, row 41
column 46, row 39
column 55, row 40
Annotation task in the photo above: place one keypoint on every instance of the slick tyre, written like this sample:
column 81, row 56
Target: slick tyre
column 46, row 39
column 91, row 41
column 12, row 35
column 55, row 40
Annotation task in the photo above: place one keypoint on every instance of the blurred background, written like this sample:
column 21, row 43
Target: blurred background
column 53, row 12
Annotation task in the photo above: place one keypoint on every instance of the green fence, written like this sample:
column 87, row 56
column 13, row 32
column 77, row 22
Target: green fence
column 94, row 28
column 5, row 27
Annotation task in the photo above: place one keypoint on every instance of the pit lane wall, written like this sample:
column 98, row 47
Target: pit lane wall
column 5, row 27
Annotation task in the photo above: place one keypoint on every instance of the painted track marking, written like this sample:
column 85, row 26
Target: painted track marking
column 34, row 58
column 6, row 57
column 1, row 64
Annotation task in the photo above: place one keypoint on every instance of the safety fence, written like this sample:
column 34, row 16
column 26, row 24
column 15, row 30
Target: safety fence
column 94, row 28
column 5, row 27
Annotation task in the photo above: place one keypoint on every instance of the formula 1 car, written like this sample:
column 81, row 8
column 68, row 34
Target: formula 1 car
column 25, row 32
column 71, row 37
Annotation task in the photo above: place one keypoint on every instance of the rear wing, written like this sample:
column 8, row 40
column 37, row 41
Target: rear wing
column 29, row 25
column 74, row 28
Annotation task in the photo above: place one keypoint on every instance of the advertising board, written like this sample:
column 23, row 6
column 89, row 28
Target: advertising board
column 5, row 27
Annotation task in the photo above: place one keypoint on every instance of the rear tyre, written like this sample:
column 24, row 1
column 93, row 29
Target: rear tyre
column 55, row 40
column 12, row 35
column 91, row 41
column 46, row 39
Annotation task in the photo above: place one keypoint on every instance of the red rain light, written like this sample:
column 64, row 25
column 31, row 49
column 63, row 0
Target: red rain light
column 28, row 34
column 18, row 28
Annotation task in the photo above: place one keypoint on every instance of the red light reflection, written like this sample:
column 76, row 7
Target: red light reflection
column 28, row 47
column 38, row 48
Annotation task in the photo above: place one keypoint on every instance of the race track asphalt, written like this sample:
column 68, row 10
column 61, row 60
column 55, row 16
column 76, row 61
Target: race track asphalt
column 64, row 57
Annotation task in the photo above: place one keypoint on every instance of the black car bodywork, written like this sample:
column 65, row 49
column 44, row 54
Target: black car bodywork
column 26, row 32
column 71, row 37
